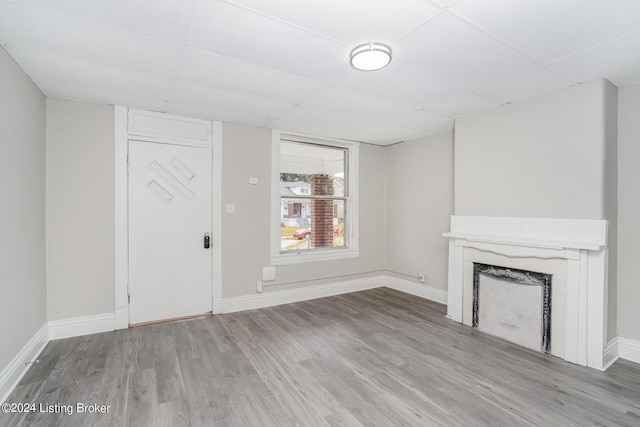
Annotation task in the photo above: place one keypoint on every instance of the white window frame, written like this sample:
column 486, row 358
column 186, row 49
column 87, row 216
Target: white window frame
column 352, row 214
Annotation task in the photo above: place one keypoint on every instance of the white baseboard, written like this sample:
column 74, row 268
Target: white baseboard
column 621, row 348
column 13, row 373
column 121, row 320
column 417, row 289
column 217, row 306
column 85, row 325
column 610, row 354
column 269, row 299
column 629, row 349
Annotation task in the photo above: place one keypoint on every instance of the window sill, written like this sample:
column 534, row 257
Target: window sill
column 304, row 257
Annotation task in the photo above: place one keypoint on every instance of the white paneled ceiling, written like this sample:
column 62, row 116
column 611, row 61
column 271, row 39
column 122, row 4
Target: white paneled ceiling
column 285, row 64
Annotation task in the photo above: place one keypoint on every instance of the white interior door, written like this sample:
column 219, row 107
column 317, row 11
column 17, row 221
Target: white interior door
column 169, row 217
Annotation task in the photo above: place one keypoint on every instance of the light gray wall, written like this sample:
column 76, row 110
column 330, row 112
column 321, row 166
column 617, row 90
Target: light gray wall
column 538, row 158
column 22, row 216
column 246, row 152
column 80, row 205
column 611, row 199
column 629, row 213
column 418, row 209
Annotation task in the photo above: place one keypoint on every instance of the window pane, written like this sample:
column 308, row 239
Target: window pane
column 312, row 224
column 300, row 163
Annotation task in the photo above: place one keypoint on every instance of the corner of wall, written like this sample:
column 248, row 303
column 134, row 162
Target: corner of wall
column 22, row 219
column 628, row 293
column 18, row 367
column 610, row 198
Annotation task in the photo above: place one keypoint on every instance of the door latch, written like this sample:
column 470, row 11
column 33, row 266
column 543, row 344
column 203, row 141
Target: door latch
column 207, row 241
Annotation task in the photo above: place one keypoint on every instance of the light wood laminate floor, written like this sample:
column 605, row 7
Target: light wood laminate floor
column 372, row 358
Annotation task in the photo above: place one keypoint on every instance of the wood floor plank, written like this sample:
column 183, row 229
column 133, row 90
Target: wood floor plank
column 142, row 399
column 373, row 358
column 169, row 382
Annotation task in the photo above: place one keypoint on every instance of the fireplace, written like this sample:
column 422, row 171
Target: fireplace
column 526, row 319
column 541, row 283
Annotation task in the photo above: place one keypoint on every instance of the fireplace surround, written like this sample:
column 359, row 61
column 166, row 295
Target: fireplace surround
column 575, row 248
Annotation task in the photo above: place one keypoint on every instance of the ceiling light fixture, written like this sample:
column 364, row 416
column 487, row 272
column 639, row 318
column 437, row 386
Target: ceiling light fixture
column 370, row 56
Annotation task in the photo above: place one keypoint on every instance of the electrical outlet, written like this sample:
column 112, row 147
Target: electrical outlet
column 421, row 277
column 259, row 287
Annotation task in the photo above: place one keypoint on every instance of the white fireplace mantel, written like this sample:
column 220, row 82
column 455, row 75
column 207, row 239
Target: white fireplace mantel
column 582, row 243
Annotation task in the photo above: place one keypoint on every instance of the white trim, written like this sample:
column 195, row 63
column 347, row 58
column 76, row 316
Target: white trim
column 417, row 289
column 629, row 349
column 576, row 273
column 320, row 140
column 275, row 196
column 269, row 299
column 216, row 201
column 553, row 233
column 353, row 210
column 14, row 371
column 151, row 126
column 535, row 243
column 611, row 353
column 454, row 293
column 121, row 255
column 121, row 203
column 78, row 326
column 302, row 257
column 593, row 307
column 621, row 348
column 121, row 318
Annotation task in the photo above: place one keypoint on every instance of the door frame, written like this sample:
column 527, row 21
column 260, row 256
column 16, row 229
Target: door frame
column 121, row 203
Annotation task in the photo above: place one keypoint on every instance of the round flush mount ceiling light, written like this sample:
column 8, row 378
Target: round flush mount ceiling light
column 370, row 56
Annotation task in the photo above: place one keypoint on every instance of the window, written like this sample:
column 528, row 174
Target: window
column 316, row 180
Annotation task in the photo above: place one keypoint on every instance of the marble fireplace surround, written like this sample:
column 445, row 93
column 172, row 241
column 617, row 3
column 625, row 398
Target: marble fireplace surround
column 580, row 243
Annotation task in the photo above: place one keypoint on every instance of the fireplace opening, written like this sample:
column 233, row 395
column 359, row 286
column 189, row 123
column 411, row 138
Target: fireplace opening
column 513, row 304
